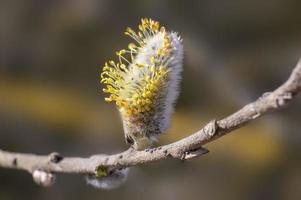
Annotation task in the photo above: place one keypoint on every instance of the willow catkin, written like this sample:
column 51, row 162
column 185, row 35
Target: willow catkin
column 144, row 82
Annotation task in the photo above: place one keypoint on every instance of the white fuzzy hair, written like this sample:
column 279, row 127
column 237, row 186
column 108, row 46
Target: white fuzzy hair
column 169, row 91
column 112, row 181
column 174, row 63
column 174, row 77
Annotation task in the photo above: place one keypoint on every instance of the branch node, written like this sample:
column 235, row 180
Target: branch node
column 211, row 128
column 55, row 157
column 15, row 162
column 194, row 153
column 257, row 114
column 282, row 100
column 264, row 95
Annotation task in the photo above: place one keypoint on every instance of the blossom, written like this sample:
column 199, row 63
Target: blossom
column 144, row 81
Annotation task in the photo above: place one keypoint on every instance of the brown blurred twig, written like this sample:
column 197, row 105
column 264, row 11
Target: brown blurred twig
column 185, row 148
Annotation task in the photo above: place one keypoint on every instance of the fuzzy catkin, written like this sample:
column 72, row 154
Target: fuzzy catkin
column 144, row 83
column 111, row 181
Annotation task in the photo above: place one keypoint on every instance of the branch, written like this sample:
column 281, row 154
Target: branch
column 183, row 149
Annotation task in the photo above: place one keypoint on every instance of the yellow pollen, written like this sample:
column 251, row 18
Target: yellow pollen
column 136, row 87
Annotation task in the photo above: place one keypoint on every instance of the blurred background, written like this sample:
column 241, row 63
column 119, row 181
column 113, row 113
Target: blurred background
column 51, row 56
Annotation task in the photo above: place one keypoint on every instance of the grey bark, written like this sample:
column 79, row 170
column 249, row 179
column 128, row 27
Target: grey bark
column 186, row 148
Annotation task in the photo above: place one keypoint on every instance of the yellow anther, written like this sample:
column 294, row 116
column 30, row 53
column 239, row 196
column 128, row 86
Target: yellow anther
column 105, row 90
column 121, row 102
column 157, row 25
column 105, row 68
column 144, row 21
column 132, row 46
column 141, row 28
column 140, row 65
column 112, row 62
column 108, row 99
column 162, row 29
column 153, row 69
column 140, row 35
column 162, row 69
column 103, row 74
column 123, row 67
column 147, row 78
column 153, row 59
column 108, row 81
column 135, row 96
column 119, row 53
column 136, row 93
column 129, row 111
column 130, row 31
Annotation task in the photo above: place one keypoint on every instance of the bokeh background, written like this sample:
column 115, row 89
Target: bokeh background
column 51, row 55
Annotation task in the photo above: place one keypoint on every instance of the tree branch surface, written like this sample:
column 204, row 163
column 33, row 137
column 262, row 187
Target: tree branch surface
column 186, row 148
